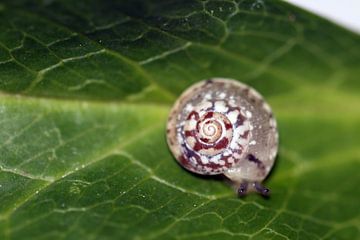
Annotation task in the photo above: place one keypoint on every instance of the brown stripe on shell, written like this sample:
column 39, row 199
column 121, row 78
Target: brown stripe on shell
column 193, row 113
column 245, row 135
column 196, row 161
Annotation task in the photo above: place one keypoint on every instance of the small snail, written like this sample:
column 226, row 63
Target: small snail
column 222, row 126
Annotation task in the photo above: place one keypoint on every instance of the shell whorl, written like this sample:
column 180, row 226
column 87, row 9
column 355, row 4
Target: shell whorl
column 209, row 129
column 209, row 133
column 222, row 126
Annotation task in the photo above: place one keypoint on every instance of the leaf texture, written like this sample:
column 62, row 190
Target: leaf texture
column 86, row 87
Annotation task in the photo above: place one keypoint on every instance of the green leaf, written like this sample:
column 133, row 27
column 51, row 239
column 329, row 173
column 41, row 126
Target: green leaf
column 86, row 87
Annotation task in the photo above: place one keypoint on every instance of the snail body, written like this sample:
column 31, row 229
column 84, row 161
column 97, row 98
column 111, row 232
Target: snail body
column 222, row 126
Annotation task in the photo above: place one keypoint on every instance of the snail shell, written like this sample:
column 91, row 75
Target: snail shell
column 222, row 126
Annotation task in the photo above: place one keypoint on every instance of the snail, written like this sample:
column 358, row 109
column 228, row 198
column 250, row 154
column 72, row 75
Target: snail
column 222, row 126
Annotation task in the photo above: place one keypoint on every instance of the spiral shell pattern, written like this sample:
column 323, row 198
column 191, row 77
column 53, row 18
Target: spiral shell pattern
column 209, row 133
column 221, row 126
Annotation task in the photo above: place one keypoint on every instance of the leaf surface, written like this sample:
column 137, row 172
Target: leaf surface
column 86, row 87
